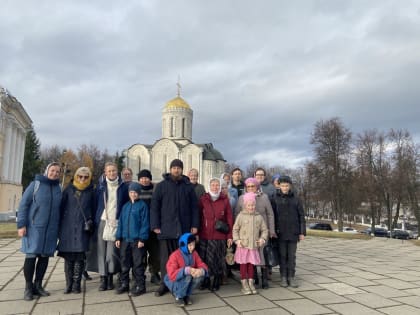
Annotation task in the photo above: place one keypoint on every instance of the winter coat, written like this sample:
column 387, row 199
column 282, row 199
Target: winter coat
column 146, row 194
column 39, row 212
column 133, row 224
column 289, row 216
column 102, row 196
column 71, row 235
column 263, row 207
column 174, row 208
column 210, row 211
column 240, row 188
column 177, row 262
column 249, row 227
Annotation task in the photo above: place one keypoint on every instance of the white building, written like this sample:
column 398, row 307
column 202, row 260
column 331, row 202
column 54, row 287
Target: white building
column 14, row 122
column 176, row 143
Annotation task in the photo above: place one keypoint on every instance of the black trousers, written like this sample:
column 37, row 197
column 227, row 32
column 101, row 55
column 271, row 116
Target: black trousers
column 287, row 258
column 166, row 247
column 132, row 257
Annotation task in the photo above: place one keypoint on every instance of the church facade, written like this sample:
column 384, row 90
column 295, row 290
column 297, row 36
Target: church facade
column 14, row 122
column 176, row 143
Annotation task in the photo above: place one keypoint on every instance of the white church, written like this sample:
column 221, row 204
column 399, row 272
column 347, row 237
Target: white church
column 176, row 143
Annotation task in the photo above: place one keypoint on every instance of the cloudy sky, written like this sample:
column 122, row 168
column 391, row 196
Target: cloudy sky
column 258, row 74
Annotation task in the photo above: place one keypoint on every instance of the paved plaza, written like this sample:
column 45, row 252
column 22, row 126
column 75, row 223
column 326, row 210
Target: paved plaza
column 336, row 276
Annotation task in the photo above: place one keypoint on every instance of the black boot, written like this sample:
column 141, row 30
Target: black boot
column 205, row 284
column 139, row 289
column 216, row 283
column 256, row 281
column 162, row 290
column 28, row 295
column 110, row 285
column 79, row 266
column 264, row 278
column 103, row 283
column 68, row 271
column 39, row 290
column 122, row 288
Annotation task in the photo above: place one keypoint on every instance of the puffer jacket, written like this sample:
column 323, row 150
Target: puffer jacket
column 263, row 207
column 76, row 207
column 211, row 211
column 134, row 222
column 249, row 227
column 39, row 212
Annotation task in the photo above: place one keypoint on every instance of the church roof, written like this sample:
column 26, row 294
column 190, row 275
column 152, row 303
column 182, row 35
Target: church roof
column 177, row 102
column 210, row 153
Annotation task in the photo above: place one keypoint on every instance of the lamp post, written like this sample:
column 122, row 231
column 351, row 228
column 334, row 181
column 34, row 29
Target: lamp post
column 64, row 167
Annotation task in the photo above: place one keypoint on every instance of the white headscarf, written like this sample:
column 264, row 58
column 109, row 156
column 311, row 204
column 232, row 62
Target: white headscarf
column 215, row 196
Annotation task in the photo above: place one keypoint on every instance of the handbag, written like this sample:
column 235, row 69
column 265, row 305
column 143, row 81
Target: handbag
column 88, row 223
column 271, row 253
column 110, row 230
column 221, row 226
column 230, row 256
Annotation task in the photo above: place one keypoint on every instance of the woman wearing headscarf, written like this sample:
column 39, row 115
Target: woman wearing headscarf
column 76, row 226
column 214, row 206
column 263, row 207
column 37, row 223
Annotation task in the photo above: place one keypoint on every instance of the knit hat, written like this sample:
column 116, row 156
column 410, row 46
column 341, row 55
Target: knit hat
column 285, row 179
column 135, row 187
column 177, row 162
column 249, row 197
column 252, row 180
column 276, row 176
column 144, row 173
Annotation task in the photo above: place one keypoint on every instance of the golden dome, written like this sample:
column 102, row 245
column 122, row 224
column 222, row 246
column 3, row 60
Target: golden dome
column 177, row 102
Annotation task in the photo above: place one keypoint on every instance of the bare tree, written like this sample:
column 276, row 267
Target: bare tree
column 332, row 152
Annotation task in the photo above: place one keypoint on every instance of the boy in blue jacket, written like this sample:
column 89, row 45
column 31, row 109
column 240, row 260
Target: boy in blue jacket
column 133, row 231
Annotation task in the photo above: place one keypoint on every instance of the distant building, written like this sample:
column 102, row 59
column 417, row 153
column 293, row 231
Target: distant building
column 176, row 142
column 14, row 122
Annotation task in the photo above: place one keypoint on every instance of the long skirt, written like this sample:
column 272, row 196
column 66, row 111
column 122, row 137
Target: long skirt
column 213, row 253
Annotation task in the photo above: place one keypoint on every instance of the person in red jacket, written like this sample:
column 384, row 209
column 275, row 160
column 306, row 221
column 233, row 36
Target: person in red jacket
column 185, row 270
column 214, row 206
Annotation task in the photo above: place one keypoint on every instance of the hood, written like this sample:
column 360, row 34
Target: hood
column 184, row 240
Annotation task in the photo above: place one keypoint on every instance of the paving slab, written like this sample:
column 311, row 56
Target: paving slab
column 303, row 307
column 335, row 277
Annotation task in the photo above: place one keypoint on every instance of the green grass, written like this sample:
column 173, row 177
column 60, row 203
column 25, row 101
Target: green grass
column 8, row 230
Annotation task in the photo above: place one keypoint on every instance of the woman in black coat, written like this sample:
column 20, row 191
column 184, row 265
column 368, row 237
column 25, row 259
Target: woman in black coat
column 76, row 226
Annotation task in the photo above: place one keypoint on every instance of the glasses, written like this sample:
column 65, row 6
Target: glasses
column 260, row 174
column 82, row 177
column 250, row 186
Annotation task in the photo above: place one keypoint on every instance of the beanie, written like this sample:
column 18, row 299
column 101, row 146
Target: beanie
column 135, row 187
column 285, row 179
column 249, row 197
column 177, row 162
column 144, row 173
column 252, row 180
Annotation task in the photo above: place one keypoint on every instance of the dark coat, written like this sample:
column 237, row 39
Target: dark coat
column 133, row 225
column 210, row 211
column 102, row 195
column 289, row 216
column 174, row 208
column 39, row 212
column 72, row 237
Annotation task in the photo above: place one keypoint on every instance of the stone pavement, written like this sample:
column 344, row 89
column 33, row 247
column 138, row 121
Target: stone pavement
column 336, row 276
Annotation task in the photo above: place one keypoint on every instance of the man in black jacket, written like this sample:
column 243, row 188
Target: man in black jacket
column 173, row 212
column 290, row 228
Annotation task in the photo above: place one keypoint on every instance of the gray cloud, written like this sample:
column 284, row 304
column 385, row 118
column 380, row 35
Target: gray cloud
column 257, row 75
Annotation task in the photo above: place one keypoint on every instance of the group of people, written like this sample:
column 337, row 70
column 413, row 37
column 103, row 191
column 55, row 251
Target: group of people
column 176, row 228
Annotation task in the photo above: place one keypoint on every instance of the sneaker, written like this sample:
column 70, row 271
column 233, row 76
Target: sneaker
column 293, row 283
column 283, row 282
column 179, row 302
column 187, row 300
